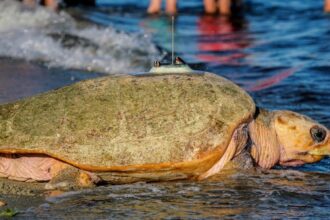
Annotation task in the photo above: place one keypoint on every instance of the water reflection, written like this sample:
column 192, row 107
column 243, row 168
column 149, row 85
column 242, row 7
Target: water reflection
column 222, row 40
column 235, row 195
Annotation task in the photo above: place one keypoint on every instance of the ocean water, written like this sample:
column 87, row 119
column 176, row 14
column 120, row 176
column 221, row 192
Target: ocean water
column 57, row 40
column 277, row 50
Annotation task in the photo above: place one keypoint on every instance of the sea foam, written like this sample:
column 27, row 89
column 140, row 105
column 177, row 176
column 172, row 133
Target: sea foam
column 57, row 40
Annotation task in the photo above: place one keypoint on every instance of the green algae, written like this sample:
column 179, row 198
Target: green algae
column 8, row 213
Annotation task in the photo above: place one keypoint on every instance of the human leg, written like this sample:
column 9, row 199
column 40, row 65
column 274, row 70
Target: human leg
column 154, row 6
column 210, row 6
column 171, row 6
column 327, row 5
column 224, row 7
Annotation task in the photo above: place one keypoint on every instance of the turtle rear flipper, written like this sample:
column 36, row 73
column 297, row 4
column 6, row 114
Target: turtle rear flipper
column 70, row 178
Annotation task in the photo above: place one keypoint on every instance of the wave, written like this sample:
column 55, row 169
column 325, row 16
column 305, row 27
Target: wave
column 57, row 40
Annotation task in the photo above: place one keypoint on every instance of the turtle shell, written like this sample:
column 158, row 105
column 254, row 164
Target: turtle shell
column 125, row 123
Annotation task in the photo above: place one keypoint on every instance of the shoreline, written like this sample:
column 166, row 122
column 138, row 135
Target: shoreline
column 20, row 196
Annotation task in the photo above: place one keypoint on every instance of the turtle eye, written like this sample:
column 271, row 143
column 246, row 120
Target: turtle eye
column 318, row 134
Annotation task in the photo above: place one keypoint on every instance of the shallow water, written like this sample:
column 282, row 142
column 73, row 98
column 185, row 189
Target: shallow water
column 278, row 51
column 277, row 194
column 58, row 40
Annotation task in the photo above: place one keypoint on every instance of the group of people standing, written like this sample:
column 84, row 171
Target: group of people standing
column 210, row 6
column 223, row 7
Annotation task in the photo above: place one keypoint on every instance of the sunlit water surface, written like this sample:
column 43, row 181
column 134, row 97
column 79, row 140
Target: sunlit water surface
column 277, row 50
column 285, row 194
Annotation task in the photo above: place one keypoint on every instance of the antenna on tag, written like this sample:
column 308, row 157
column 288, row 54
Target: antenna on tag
column 177, row 65
column 172, row 40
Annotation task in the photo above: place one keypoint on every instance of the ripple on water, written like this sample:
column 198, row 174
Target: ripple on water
column 277, row 193
column 60, row 41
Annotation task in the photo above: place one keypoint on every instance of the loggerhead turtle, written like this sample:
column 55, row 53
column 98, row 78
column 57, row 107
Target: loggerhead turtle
column 171, row 123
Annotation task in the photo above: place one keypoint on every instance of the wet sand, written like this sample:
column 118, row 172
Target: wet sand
column 21, row 195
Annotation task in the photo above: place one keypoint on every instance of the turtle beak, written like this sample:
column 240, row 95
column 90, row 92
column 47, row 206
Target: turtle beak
column 322, row 150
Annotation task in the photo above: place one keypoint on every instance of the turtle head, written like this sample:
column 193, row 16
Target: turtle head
column 301, row 139
column 287, row 138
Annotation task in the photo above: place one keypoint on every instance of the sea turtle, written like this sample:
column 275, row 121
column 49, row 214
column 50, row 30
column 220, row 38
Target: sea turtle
column 170, row 123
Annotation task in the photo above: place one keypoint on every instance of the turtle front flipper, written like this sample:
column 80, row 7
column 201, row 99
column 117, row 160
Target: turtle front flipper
column 236, row 147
